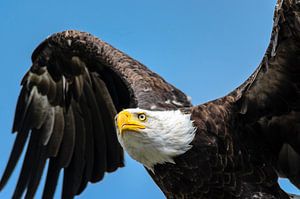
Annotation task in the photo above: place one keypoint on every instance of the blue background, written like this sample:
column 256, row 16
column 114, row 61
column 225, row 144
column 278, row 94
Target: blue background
column 206, row 48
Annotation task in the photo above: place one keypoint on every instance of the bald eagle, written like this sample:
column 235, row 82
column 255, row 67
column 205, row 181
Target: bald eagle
column 82, row 102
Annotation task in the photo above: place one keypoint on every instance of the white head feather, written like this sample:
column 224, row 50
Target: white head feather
column 166, row 135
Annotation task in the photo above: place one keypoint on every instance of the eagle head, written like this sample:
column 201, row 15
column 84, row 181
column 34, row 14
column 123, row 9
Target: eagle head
column 154, row 137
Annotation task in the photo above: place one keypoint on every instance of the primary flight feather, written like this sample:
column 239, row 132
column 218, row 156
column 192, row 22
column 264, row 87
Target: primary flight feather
column 232, row 147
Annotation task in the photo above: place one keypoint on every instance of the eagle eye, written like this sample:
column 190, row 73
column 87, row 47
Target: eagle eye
column 142, row 116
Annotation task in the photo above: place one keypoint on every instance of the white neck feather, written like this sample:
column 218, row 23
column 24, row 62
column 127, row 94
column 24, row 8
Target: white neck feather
column 167, row 135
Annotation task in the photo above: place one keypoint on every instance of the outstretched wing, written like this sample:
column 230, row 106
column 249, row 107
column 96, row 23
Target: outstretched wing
column 270, row 100
column 66, row 109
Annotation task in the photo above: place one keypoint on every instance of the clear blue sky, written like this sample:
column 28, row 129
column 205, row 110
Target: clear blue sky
column 204, row 47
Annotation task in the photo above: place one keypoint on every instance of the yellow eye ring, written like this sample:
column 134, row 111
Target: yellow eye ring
column 142, row 116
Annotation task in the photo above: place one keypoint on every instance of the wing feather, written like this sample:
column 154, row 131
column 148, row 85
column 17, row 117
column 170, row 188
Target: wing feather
column 98, row 134
column 67, row 105
column 37, row 167
column 104, row 99
column 51, row 179
column 88, row 169
column 68, row 142
column 26, row 167
column 269, row 101
column 56, row 138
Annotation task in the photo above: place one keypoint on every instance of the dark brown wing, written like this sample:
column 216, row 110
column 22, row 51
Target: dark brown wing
column 244, row 138
column 270, row 100
column 66, row 109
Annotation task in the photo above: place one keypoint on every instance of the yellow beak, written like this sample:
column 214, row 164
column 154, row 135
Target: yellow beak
column 127, row 122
